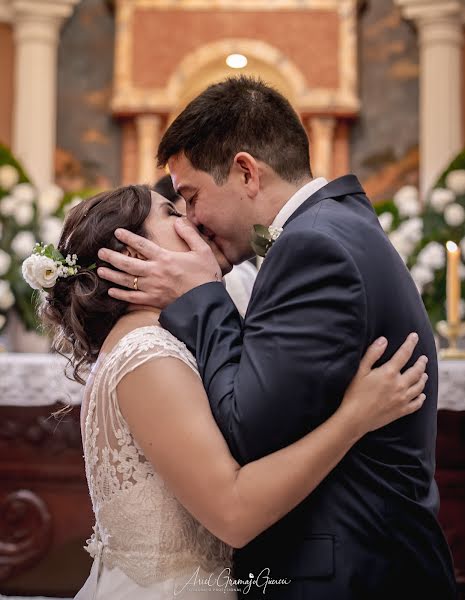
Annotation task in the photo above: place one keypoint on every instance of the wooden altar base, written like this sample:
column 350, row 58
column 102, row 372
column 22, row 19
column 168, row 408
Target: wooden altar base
column 45, row 510
column 46, row 514
column 450, row 476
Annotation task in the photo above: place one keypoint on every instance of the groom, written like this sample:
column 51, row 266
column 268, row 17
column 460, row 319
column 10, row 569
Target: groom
column 330, row 284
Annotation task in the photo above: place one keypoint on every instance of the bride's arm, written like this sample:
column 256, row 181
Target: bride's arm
column 166, row 408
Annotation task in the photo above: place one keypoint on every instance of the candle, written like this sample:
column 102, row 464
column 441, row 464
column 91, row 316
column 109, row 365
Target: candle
column 453, row 283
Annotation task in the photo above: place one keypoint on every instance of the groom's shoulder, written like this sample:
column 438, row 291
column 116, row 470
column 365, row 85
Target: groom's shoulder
column 305, row 241
column 341, row 219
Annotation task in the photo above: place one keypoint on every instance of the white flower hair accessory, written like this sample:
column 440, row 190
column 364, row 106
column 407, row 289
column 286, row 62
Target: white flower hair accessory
column 46, row 265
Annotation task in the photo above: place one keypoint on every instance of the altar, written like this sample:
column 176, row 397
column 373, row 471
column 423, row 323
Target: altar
column 45, row 511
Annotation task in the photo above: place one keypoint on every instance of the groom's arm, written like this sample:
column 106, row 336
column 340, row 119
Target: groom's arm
column 283, row 372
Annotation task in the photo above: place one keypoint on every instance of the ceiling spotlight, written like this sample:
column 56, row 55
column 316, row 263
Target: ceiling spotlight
column 236, row 61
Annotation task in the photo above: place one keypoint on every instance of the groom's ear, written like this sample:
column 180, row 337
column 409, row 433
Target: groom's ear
column 249, row 171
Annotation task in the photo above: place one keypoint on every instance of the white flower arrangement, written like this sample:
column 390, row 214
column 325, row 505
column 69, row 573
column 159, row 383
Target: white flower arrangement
column 419, row 233
column 26, row 216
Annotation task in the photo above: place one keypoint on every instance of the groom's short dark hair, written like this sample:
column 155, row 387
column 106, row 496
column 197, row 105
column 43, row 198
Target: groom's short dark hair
column 239, row 114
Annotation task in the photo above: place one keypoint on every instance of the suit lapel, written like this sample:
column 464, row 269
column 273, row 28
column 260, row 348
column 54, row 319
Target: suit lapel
column 343, row 186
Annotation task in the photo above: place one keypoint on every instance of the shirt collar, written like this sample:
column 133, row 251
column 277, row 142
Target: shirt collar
column 297, row 200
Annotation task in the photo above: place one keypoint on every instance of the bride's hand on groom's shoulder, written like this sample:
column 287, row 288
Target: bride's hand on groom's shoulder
column 154, row 275
column 378, row 396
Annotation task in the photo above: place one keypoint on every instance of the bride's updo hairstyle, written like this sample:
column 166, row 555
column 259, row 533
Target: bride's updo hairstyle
column 78, row 310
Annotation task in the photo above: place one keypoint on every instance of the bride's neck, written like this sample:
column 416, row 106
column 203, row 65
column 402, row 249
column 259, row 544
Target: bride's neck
column 135, row 308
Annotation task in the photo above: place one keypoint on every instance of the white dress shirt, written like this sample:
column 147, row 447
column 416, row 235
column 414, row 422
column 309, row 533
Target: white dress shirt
column 239, row 284
column 297, row 200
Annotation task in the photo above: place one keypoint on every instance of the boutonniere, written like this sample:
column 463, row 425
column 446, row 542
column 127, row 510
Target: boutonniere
column 263, row 238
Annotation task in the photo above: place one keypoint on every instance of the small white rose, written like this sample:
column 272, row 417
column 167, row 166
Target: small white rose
column 8, row 206
column 50, row 230
column 9, row 177
column 6, row 295
column 28, row 271
column 412, row 230
column 46, row 272
column 23, row 243
column 49, row 200
column 23, row 214
column 440, row 198
column 25, row 192
column 433, row 256
column 40, row 271
column 422, row 275
column 5, row 262
column 385, row 220
column 410, row 208
column 455, row 181
column 454, row 214
column 2, row 321
column 407, row 192
column 406, row 200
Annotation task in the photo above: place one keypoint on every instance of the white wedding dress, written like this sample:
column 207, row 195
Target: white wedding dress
column 145, row 544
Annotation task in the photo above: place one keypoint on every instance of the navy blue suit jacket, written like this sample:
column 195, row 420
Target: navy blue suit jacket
column 330, row 285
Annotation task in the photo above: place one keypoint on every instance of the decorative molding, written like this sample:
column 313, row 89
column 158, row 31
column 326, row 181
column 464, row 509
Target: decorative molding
column 25, row 531
column 130, row 99
column 46, row 9
column 437, row 21
column 430, row 9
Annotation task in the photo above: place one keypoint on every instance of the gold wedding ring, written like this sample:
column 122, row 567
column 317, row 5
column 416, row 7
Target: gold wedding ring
column 134, row 285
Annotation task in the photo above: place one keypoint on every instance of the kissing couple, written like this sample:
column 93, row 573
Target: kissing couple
column 297, row 443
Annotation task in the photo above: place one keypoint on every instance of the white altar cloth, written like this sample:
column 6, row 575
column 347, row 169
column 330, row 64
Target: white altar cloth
column 36, row 380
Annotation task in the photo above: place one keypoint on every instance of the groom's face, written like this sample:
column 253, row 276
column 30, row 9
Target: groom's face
column 221, row 212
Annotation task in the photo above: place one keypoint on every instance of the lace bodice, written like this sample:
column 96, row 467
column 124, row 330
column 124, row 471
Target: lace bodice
column 140, row 526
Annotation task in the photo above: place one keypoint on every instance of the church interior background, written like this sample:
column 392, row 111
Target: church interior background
column 88, row 88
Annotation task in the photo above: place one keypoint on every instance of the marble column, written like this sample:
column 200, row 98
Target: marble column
column 37, row 26
column 440, row 37
column 321, row 151
column 148, row 129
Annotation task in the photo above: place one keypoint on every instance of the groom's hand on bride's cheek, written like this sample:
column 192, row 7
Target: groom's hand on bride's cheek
column 164, row 275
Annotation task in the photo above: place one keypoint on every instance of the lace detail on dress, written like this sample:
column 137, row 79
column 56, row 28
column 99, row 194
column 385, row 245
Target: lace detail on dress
column 140, row 525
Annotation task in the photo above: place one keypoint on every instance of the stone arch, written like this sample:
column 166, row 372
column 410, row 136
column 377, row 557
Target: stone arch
column 206, row 65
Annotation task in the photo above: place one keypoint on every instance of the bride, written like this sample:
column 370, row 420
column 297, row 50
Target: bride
column 170, row 502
